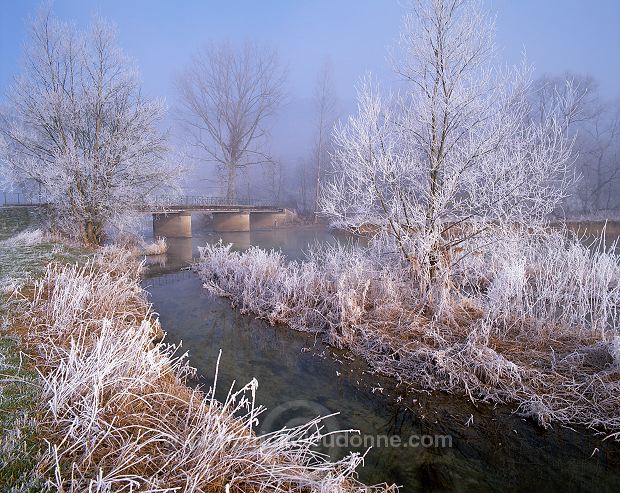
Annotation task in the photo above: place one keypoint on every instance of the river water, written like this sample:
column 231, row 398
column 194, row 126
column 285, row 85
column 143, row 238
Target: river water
column 422, row 442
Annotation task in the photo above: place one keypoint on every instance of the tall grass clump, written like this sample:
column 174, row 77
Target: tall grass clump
column 532, row 321
column 138, row 245
column 119, row 415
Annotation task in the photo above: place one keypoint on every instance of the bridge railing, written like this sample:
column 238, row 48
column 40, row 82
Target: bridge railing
column 20, row 198
column 203, row 201
column 158, row 201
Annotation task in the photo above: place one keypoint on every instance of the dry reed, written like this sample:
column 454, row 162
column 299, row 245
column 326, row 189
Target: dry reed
column 118, row 415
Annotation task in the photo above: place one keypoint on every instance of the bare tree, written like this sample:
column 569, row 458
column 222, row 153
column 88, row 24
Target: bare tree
column 599, row 162
column 325, row 106
column 573, row 97
column 455, row 157
column 595, row 128
column 303, row 185
column 271, row 181
column 79, row 129
column 227, row 96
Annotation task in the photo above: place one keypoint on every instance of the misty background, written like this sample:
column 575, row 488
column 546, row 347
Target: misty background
column 348, row 39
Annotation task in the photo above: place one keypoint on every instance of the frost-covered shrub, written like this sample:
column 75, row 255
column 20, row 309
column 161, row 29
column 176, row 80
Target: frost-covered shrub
column 158, row 247
column 555, row 280
column 330, row 292
column 532, row 320
column 137, row 245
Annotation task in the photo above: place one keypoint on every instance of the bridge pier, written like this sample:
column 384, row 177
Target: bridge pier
column 172, row 224
column 267, row 220
column 224, row 222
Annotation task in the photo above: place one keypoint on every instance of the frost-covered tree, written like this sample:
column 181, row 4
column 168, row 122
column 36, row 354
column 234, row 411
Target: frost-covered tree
column 453, row 157
column 227, row 96
column 571, row 97
column 79, row 131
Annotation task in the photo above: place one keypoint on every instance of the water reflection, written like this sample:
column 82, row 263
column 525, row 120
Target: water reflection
column 292, row 242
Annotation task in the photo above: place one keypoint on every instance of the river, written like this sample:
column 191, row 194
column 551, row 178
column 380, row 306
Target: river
column 424, row 442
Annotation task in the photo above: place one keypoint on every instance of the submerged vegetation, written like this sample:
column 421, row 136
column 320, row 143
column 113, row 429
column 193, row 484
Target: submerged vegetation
column 532, row 322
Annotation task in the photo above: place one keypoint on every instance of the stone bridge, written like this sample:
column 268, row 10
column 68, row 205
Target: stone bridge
column 172, row 216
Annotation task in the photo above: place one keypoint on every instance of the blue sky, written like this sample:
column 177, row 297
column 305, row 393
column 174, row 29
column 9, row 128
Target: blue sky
column 558, row 35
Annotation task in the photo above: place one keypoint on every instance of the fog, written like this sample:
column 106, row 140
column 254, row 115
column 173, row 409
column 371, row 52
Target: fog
column 354, row 37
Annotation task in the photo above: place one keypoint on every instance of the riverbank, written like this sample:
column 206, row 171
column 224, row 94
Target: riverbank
column 24, row 253
column 115, row 408
column 554, row 361
column 492, row 449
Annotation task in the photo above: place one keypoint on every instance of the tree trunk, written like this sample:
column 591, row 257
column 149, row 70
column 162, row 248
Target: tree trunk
column 92, row 233
column 231, row 193
column 318, row 180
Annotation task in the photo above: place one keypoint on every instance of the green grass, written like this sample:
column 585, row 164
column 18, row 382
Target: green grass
column 16, row 219
column 20, row 402
column 21, row 442
column 18, row 262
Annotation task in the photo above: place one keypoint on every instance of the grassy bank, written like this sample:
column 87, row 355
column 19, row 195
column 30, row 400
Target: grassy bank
column 21, row 445
column 532, row 322
column 97, row 406
column 24, row 253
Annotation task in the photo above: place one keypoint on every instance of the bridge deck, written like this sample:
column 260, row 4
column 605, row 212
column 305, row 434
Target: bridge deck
column 208, row 208
column 160, row 204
